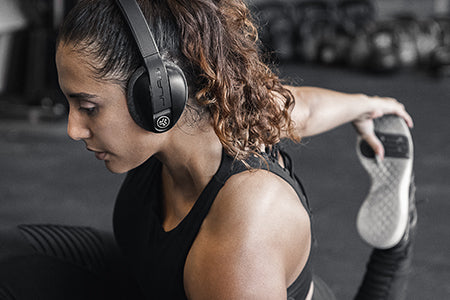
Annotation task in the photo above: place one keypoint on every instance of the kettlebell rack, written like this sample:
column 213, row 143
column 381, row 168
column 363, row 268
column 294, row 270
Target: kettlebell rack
column 350, row 33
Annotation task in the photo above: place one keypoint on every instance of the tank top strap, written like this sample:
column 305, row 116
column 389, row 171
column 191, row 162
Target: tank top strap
column 289, row 165
column 230, row 166
column 225, row 168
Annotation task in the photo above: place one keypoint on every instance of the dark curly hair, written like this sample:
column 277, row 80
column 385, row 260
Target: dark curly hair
column 214, row 42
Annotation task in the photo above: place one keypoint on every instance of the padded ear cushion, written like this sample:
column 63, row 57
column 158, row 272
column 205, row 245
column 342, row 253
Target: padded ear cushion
column 138, row 99
column 139, row 96
column 178, row 91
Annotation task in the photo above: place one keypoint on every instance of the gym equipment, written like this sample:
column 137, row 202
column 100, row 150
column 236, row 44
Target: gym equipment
column 407, row 31
column 427, row 40
column 334, row 33
column 157, row 93
column 347, row 32
column 276, row 29
column 440, row 61
column 402, row 42
column 334, row 49
column 440, row 56
column 315, row 23
column 356, row 16
column 443, row 22
column 359, row 51
column 383, row 55
column 354, row 19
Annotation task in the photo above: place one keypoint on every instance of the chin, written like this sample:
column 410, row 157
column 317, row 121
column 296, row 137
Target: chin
column 115, row 168
column 118, row 166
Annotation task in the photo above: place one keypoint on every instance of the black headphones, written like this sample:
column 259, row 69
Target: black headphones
column 156, row 94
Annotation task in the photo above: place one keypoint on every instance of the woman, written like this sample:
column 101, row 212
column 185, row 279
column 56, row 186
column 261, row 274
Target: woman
column 210, row 208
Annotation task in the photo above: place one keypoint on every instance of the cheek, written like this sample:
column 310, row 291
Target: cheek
column 116, row 128
column 127, row 137
column 130, row 145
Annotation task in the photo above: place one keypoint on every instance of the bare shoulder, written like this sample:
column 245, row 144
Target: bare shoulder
column 253, row 243
column 255, row 195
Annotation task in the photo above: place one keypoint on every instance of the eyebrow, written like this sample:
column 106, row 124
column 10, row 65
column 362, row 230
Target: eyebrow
column 82, row 96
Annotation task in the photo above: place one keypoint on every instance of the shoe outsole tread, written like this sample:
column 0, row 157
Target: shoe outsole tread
column 383, row 217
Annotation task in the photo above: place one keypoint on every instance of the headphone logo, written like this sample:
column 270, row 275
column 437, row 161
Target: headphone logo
column 159, row 84
column 163, row 122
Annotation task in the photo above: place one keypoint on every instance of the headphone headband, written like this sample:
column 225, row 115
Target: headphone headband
column 139, row 27
column 161, row 100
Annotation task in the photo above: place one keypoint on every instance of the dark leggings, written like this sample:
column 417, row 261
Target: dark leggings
column 61, row 262
column 386, row 276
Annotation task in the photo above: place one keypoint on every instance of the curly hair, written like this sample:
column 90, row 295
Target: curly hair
column 215, row 42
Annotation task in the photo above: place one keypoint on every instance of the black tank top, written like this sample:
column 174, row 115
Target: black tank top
column 157, row 257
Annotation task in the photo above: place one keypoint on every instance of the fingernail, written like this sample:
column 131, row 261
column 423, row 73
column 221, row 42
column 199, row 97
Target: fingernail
column 378, row 159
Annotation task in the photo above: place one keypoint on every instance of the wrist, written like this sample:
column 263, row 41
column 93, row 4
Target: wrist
column 364, row 107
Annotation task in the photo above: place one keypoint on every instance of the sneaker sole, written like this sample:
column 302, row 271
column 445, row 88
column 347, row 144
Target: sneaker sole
column 383, row 217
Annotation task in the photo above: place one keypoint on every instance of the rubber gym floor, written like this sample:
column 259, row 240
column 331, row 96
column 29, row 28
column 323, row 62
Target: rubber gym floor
column 47, row 178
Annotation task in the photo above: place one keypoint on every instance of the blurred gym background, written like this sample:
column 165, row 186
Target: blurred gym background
column 398, row 48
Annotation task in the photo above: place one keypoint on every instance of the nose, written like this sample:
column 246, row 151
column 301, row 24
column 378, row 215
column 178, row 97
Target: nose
column 76, row 127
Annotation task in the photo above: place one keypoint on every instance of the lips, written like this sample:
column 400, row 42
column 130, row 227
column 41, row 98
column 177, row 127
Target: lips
column 100, row 155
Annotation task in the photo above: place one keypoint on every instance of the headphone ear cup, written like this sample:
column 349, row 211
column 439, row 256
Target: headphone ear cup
column 139, row 99
column 178, row 91
column 139, row 96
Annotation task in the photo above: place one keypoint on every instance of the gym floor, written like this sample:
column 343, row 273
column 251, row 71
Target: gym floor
column 47, row 178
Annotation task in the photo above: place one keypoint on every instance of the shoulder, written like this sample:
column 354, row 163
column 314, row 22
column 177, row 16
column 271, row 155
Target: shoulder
column 255, row 240
column 255, row 194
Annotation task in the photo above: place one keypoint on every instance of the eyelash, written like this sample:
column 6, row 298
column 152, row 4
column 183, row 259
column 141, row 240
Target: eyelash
column 89, row 111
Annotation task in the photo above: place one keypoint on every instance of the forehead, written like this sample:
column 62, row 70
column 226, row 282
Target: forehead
column 69, row 63
column 75, row 71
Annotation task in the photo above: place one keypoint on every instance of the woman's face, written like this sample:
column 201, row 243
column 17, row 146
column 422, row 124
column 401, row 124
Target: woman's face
column 99, row 115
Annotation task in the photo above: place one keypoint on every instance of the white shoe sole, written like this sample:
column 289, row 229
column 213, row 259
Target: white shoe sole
column 383, row 217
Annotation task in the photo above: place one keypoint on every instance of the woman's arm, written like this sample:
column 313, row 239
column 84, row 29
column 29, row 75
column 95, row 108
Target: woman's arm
column 318, row 110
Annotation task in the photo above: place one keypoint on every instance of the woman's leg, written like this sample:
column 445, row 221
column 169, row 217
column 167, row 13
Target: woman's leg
column 61, row 262
column 388, row 270
column 387, row 210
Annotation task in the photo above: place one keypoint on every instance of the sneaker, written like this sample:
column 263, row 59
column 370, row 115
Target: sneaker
column 384, row 216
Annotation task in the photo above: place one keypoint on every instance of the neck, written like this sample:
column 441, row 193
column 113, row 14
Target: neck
column 190, row 159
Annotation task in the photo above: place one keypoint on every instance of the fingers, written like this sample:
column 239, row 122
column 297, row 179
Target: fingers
column 408, row 119
column 365, row 129
column 392, row 106
column 375, row 144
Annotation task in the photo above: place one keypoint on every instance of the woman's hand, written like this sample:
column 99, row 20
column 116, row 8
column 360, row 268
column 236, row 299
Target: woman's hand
column 381, row 106
column 318, row 110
